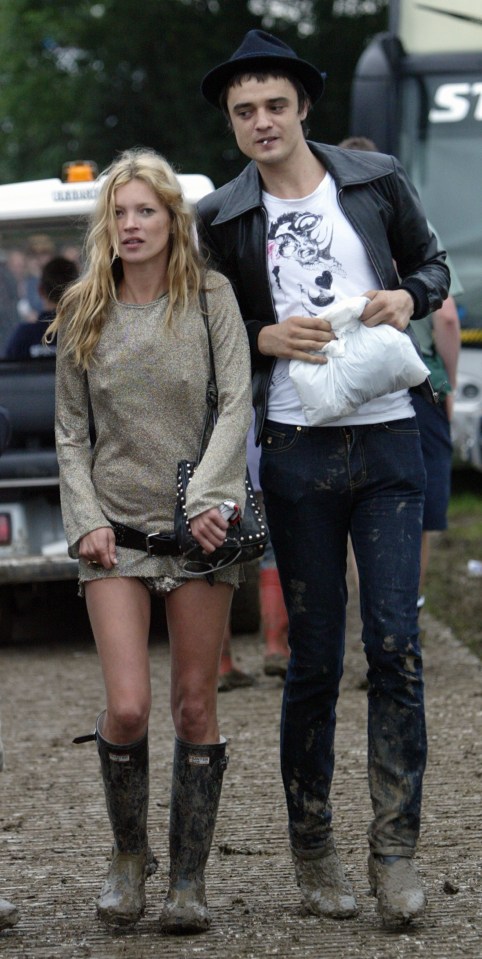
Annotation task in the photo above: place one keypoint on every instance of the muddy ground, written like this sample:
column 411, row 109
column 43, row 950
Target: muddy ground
column 453, row 592
column 54, row 838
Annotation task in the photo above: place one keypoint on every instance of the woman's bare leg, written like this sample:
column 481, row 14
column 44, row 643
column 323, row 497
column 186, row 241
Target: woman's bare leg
column 197, row 614
column 119, row 612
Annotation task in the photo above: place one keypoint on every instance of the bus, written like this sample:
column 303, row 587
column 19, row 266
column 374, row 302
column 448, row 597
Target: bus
column 417, row 93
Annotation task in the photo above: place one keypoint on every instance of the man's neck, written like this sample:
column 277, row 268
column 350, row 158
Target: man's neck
column 296, row 177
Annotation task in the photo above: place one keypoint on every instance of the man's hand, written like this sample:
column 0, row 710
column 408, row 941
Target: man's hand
column 98, row 547
column 296, row 338
column 394, row 307
column 209, row 529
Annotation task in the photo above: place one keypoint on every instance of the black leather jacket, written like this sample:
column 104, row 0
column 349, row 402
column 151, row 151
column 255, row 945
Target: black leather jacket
column 381, row 204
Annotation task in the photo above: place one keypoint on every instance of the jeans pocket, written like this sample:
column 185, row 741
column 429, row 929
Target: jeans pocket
column 406, row 427
column 279, row 439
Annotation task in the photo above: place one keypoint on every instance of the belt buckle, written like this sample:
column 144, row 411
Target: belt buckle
column 162, row 539
column 149, row 544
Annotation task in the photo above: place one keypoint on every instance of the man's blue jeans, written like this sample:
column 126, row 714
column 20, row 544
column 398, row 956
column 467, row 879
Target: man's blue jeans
column 320, row 484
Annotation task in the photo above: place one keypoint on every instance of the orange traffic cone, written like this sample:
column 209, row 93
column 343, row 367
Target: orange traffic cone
column 274, row 623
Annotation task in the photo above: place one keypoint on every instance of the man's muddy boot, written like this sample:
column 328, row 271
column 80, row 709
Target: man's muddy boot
column 197, row 776
column 396, row 884
column 8, row 915
column 125, row 773
column 324, row 888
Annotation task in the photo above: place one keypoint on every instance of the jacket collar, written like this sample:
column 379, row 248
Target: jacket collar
column 347, row 167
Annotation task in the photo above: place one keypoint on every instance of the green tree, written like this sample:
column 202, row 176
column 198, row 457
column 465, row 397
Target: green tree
column 342, row 30
column 89, row 79
column 86, row 80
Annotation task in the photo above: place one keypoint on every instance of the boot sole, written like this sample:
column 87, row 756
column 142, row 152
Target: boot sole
column 348, row 913
column 183, row 930
column 114, row 919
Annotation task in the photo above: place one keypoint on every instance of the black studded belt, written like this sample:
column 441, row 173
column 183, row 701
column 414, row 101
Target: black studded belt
column 154, row 544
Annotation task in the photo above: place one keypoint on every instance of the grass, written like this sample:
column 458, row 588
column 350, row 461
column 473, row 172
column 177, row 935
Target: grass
column 453, row 595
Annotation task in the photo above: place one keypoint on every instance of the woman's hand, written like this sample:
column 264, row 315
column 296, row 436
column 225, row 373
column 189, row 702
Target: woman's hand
column 209, row 529
column 98, row 548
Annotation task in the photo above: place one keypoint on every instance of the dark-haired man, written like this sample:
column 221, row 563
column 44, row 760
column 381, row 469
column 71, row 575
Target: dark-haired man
column 25, row 342
column 303, row 226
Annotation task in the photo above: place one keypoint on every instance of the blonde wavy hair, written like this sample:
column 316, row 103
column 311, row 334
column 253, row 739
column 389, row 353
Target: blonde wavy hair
column 84, row 306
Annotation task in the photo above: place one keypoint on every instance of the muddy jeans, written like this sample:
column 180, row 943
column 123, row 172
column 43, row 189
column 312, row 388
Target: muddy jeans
column 320, row 484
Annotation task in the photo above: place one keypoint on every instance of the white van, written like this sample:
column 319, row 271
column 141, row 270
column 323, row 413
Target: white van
column 44, row 218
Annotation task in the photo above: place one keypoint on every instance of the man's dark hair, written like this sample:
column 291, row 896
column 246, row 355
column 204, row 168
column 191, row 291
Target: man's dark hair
column 56, row 276
column 261, row 76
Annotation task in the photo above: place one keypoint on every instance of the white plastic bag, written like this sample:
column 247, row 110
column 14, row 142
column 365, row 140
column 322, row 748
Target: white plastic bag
column 364, row 362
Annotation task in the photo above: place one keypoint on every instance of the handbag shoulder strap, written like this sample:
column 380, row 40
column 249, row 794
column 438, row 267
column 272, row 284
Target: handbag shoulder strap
column 211, row 388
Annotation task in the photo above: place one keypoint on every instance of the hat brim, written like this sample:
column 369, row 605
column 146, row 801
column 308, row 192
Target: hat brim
column 214, row 82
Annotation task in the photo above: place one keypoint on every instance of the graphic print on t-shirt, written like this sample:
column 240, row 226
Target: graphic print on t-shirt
column 315, row 258
column 300, row 250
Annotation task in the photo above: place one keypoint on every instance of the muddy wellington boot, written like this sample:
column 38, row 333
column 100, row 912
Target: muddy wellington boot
column 196, row 787
column 125, row 772
column 8, row 915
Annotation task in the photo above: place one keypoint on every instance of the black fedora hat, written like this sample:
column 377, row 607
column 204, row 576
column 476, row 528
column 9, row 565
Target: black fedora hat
column 261, row 51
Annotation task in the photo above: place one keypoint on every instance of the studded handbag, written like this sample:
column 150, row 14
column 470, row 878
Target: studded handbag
column 247, row 538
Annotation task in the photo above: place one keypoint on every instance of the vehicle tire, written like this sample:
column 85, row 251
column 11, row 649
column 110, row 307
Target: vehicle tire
column 245, row 616
column 6, row 615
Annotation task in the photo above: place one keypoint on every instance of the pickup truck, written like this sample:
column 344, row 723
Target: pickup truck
column 40, row 219
column 32, row 541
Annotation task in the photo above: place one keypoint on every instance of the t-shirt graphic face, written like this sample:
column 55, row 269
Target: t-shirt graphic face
column 305, row 240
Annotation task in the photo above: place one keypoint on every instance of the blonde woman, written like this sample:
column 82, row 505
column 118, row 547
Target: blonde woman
column 132, row 341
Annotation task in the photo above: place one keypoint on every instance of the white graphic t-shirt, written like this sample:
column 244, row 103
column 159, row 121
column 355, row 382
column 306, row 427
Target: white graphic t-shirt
column 315, row 258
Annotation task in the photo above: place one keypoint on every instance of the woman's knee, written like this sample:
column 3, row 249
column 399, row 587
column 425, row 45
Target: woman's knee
column 127, row 719
column 194, row 715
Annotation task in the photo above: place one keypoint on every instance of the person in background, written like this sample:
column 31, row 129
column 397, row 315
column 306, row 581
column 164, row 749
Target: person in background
column 134, row 347
column 303, row 226
column 9, row 314
column 25, row 342
column 40, row 249
column 73, row 252
column 358, row 143
column 439, row 338
column 8, row 912
column 438, row 335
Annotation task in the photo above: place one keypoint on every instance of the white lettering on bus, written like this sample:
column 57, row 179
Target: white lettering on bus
column 454, row 101
column 86, row 194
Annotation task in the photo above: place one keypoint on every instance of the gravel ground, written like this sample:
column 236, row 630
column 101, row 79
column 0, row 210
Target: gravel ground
column 54, row 838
